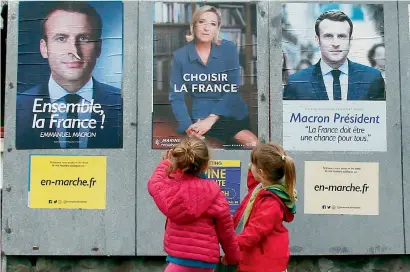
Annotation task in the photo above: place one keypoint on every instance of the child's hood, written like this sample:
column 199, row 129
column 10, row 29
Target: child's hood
column 195, row 196
column 288, row 208
column 288, row 215
column 280, row 193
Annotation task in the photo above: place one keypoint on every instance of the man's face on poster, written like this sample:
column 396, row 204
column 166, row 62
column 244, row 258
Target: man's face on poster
column 71, row 46
column 334, row 41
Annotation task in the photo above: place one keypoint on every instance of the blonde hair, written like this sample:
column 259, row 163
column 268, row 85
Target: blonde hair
column 195, row 18
column 191, row 156
column 275, row 164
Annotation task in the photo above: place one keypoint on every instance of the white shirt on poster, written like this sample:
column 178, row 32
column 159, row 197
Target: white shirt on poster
column 57, row 96
column 328, row 78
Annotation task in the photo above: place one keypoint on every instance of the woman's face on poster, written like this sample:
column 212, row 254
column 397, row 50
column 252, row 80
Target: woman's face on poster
column 206, row 27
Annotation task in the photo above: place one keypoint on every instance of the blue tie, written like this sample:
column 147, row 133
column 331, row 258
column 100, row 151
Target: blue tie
column 337, row 90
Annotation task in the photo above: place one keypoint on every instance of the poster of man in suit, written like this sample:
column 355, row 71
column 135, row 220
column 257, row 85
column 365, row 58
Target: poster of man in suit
column 69, row 75
column 334, row 88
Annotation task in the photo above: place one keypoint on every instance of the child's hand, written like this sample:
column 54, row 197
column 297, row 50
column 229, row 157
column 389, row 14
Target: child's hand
column 166, row 155
column 223, row 260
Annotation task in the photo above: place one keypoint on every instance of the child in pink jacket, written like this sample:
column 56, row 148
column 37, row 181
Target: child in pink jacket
column 198, row 216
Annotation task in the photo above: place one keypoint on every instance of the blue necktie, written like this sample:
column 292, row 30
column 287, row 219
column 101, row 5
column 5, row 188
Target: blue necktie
column 73, row 142
column 337, row 90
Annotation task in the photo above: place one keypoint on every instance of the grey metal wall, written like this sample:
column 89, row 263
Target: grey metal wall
column 150, row 222
column 72, row 232
column 403, row 7
column 346, row 234
column 132, row 225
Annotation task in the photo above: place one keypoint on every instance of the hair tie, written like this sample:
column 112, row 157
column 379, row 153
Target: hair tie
column 283, row 157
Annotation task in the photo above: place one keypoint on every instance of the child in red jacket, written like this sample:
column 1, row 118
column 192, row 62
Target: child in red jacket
column 262, row 237
column 198, row 215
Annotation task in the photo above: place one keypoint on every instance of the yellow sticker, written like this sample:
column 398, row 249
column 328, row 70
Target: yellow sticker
column 224, row 163
column 67, row 182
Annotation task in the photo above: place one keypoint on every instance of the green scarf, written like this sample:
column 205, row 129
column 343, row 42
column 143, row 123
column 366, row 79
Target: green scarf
column 281, row 191
column 278, row 189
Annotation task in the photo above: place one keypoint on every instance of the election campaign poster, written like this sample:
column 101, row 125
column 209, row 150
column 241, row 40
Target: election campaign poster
column 67, row 182
column 69, row 75
column 341, row 188
column 227, row 173
column 205, row 74
column 334, row 96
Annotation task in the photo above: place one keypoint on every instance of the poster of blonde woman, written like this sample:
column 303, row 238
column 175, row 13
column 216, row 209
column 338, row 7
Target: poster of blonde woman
column 205, row 82
column 334, row 96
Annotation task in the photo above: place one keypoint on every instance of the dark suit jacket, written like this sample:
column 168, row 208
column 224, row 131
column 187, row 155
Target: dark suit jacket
column 365, row 83
column 109, row 137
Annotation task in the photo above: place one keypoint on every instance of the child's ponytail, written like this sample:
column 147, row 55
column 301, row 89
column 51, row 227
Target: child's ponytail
column 290, row 176
column 276, row 164
column 190, row 156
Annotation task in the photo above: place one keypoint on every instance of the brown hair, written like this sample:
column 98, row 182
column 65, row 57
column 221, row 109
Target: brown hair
column 76, row 7
column 275, row 164
column 333, row 15
column 191, row 156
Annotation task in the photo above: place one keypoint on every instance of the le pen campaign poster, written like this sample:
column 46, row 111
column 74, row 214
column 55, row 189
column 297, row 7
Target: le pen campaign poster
column 334, row 96
column 69, row 75
column 205, row 74
column 67, row 182
column 227, row 173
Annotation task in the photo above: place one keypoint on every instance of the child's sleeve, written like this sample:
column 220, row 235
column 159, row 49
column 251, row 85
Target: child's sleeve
column 159, row 189
column 226, row 232
column 266, row 216
column 160, row 173
column 251, row 182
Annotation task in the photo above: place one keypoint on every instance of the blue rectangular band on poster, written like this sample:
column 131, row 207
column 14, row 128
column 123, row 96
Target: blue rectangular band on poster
column 227, row 173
